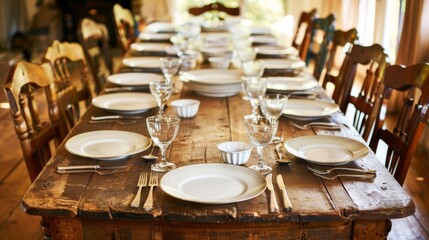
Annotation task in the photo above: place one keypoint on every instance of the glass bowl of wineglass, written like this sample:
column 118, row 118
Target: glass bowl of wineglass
column 162, row 92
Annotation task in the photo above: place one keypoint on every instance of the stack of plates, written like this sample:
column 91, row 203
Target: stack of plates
column 156, row 37
column 309, row 109
column 125, row 103
column 160, row 27
column 150, row 47
column 107, row 145
column 134, row 79
column 277, row 51
column 289, row 84
column 213, row 82
column 283, row 64
column 142, row 62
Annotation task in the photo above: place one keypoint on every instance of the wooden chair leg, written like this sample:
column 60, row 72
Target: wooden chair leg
column 45, row 227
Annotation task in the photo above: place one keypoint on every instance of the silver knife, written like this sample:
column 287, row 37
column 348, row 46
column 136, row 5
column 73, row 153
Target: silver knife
column 274, row 207
column 116, row 89
column 114, row 117
column 89, row 167
column 286, row 202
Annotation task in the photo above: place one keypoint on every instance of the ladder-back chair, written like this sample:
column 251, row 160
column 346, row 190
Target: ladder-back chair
column 374, row 61
column 93, row 38
column 72, row 82
column 196, row 11
column 124, row 27
column 403, row 138
column 301, row 40
column 343, row 39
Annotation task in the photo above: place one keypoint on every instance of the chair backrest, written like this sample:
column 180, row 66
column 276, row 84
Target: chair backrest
column 340, row 39
column 196, row 11
column 322, row 33
column 72, row 82
column 93, row 38
column 22, row 88
column 403, row 138
column 124, row 27
column 301, row 40
column 375, row 61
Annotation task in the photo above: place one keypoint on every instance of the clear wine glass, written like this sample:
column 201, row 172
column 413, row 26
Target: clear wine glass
column 170, row 67
column 260, row 131
column 254, row 87
column 163, row 130
column 253, row 68
column 272, row 105
column 246, row 54
column 162, row 92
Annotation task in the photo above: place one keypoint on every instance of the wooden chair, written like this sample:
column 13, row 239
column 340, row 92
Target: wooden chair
column 374, row 60
column 69, row 71
column 124, row 27
column 340, row 39
column 93, row 38
column 403, row 138
column 322, row 33
column 196, row 11
column 301, row 40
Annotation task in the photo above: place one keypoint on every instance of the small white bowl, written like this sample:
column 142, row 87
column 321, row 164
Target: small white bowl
column 186, row 108
column 220, row 62
column 236, row 153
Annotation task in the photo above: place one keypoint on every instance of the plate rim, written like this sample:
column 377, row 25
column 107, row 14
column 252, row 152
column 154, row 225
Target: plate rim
column 142, row 74
column 208, row 165
column 141, row 110
column 331, row 104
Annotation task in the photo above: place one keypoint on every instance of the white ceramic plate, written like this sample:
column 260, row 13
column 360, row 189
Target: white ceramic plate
column 107, row 145
column 211, row 90
column 125, row 102
column 276, row 50
column 326, row 150
column 260, row 30
column 134, row 79
column 309, row 109
column 149, row 47
column 284, row 63
column 261, row 39
column 142, row 62
column 157, row 27
column 156, row 36
column 213, row 76
column 298, row 83
column 213, row 183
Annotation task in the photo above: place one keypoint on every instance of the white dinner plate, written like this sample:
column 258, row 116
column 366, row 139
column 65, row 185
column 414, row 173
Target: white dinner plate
column 156, row 36
column 107, row 144
column 283, row 63
column 213, row 76
column 298, row 83
column 134, row 79
column 159, row 27
column 213, row 183
column 211, row 90
column 309, row 109
column 276, row 50
column 125, row 103
column 262, row 30
column 142, row 62
column 326, row 149
column 263, row 39
column 149, row 47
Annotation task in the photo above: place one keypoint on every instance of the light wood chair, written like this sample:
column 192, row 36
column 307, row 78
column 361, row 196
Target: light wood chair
column 74, row 87
column 374, row 60
column 196, row 11
column 301, row 40
column 124, row 27
column 93, row 38
column 403, row 138
column 322, row 34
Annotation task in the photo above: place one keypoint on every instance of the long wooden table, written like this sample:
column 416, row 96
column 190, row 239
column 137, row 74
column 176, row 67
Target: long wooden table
column 90, row 206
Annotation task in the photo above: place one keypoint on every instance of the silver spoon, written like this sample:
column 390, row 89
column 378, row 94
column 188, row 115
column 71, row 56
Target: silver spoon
column 281, row 160
column 150, row 156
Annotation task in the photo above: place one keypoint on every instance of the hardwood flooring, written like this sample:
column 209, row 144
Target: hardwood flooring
column 14, row 181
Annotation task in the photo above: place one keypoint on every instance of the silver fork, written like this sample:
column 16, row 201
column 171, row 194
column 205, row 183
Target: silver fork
column 99, row 172
column 120, row 122
column 153, row 182
column 323, row 125
column 328, row 171
column 363, row 176
column 142, row 182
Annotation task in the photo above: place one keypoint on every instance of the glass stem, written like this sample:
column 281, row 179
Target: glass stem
column 163, row 154
column 260, row 151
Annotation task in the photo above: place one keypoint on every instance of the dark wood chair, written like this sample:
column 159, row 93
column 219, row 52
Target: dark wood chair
column 322, row 33
column 93, row 38
column 196, row 11
column 301, row 40
column 73, row 84
column 403, row 138
column 341, row 39
column 124, row 27
column 374, row 60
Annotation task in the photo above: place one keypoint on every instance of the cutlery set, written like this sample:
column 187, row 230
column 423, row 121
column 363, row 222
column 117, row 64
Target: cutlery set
column 274, row 207
column 321, row 125
column 143, row 182
column 364, row 174
column 100, row 170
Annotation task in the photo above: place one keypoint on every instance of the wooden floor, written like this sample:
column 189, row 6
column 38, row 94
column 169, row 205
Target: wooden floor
column 15, row 224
